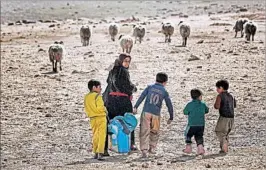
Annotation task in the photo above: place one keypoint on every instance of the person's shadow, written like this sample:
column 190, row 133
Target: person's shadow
column 183, row 158
column 49, row 72
column 216, row 155
column 117, row 158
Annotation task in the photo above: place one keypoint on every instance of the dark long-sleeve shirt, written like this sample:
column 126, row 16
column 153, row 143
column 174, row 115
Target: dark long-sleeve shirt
column 120, row 81
column 155, row 94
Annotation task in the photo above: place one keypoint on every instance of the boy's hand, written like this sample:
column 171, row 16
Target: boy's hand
column 169, row 121
column 135, row 111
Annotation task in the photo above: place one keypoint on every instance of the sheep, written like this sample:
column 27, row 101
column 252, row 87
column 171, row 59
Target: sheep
column 138, row 32
column 85, row 35
column 113, row 30
column 126, row 42
column 56, row 52
column 184, row 29
column 168, row 30
column 239, row 26
column 250, row 28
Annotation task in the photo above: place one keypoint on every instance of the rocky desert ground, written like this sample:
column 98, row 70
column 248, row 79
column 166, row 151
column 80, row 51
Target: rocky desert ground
column 43, row 124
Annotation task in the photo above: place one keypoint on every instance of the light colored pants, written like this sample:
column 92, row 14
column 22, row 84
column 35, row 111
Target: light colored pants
column 149, row 131
column 223, row 128
column 98, row 126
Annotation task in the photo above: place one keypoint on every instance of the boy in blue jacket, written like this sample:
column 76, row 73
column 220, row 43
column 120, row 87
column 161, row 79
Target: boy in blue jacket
column 150, row 117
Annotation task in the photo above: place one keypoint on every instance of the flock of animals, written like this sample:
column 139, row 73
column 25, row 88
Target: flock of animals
column 56, row 50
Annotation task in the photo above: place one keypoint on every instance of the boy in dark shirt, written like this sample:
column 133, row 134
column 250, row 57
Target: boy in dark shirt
column 196, row 110
column 150, row 117
column 226, row 103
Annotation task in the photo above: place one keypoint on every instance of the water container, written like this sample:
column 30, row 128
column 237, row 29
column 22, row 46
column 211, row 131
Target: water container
column 121, row 127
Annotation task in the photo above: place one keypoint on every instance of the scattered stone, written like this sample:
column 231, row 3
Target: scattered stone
column 87, row 53
column 254, row 48
column 41, row 50
column 28, row 22
column 227, row 30
column 37, row 75
column 174, row 15
column 188, row 69
column 133, row 165
column 199, row 66
column 145, row 165
column 200, row 41
column 128, row 161
column 173, row 52
column 74, row 72
column 159, row 163
column 208, row 56
column 53, row 25
column 18, row 23
column 11, row 23
column 255, row 114
column 193, row 58
column 91, row 55
column 243, row 9
column 245, row 75
column 220, row 24
column 173, row 161
column 208, row 166
column 48, row 115
column 231, row 51
column 183, row 16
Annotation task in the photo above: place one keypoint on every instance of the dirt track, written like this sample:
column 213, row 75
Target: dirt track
column 43, row 125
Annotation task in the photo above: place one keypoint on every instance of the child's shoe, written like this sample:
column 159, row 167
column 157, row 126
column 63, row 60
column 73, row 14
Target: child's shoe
column 188, row 149
column 95, row 156
column 100, row 157
column 225, row 148
column 201, row 150
column 133, row 148
column 144, row 154
column 152, row 150
column 106, row 153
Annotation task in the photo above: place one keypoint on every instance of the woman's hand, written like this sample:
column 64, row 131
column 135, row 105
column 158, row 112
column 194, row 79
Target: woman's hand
column 135, row 111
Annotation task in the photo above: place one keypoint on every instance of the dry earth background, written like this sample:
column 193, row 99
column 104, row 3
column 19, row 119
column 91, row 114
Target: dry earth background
column 43, row 125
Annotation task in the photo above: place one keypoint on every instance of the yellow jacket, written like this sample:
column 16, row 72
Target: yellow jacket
column 94, row 106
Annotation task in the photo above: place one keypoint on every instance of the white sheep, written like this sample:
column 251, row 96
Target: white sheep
column 113, row 30
column 85, row 35
column 126, row 42
column 250, row 29
column 239, row 26
column 168, row 30
column 184, row 29
column 138, row 32
column 56, row 52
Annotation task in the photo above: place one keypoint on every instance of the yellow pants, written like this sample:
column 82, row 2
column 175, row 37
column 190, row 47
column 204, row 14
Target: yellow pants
column 99, row 128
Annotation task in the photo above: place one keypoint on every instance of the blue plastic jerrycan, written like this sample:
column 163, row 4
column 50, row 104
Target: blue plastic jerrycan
column 121, row 127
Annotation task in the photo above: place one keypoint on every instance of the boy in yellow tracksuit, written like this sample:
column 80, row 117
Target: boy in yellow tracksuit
column 96, row 111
